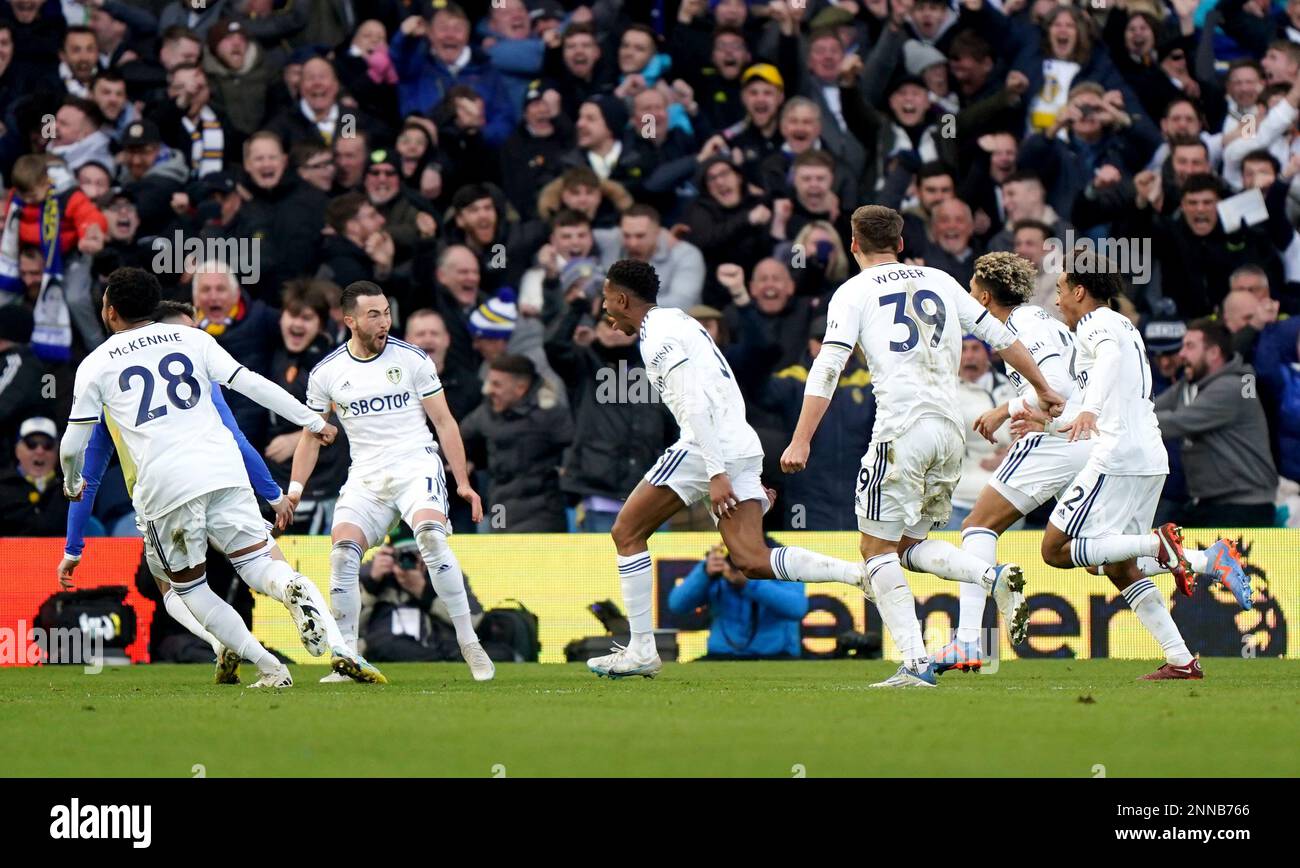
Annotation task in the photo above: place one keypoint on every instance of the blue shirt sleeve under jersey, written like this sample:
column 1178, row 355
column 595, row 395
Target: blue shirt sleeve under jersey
column 258, row 474
column 98, row 451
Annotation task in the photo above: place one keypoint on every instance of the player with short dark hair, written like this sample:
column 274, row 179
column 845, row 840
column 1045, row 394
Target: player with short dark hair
column 149, row 380
column 717, row 457
column 383, row 389
column 266, row 572
column 1104, row 517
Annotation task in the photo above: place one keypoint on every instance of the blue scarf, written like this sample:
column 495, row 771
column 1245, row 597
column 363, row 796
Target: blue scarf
column 52, row 335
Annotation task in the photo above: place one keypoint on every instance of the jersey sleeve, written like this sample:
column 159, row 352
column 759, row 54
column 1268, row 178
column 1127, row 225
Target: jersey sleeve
column 98, row 451
column 427, row 383
column 1097, row 339
column 258, row 473
column 219, row 364
column 843, row 326
column 665, row 350
column 318, row 399
column 87, row 396
column 843, row 321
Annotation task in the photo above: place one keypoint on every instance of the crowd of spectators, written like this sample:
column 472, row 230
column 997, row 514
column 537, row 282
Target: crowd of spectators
column 486, row 163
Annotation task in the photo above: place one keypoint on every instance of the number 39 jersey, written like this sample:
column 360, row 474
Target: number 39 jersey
column 150, row 383
column 671, row 337
column 909, row 321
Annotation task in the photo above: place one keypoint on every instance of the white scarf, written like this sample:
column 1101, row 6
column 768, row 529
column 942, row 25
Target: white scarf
column 327, row 126
column 74, row 87
column 207, row 142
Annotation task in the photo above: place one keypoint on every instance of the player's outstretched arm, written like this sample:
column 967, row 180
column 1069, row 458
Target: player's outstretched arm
column 98, row 451
column 454, row 448
column 258, row 388
column 1019, row 358
column 304, row 462
column 1101, row 383
column 72, row 456
column 822, row 380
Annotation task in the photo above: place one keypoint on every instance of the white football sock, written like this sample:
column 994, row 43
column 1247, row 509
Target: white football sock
column 983, row 544
column 634, row 573
column 446, row 576
column 897, row 607
column 1144, row 599
column 220, row 618
column 270, row 576
column 793, row 564
column 263, row 573
column 181, row 615
column 1097, row 551
column 345, row 590
column 943, row 559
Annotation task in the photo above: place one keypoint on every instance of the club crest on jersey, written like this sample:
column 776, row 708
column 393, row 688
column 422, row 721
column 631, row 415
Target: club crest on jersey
column 394, row 375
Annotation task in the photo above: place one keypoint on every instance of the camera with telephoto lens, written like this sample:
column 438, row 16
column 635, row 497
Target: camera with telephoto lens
column 407, row 557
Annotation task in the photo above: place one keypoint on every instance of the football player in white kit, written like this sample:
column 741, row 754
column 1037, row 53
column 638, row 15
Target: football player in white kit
column 717, row 457
column 909, row 321
column 1104, row 517
column 299, row 595
column 1038, row 466
column 150, row 379
column 383, row 388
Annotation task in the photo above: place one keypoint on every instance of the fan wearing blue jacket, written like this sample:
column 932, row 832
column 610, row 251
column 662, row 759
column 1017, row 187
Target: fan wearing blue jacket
column 100, row 449
column 752, row 618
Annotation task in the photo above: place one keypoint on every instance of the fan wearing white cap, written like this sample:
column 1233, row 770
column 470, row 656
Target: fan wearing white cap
column 30, row 503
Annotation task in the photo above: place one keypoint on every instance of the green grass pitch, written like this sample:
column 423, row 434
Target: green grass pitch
column 819, row 719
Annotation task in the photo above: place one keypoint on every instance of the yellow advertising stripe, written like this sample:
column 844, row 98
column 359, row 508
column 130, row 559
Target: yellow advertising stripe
column 1073, row 613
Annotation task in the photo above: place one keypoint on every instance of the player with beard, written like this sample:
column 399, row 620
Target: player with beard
column 383, row 389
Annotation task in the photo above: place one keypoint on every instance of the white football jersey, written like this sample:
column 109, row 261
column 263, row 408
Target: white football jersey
column 1051, row 344
column 377, row 400
column 1130, row 442
column 152, row 384
column 671, row 337
column 909, row 321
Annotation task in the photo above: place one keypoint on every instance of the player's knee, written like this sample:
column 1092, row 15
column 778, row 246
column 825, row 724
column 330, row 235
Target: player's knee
column 431, row 537
column 625, row 535
column 345, row 563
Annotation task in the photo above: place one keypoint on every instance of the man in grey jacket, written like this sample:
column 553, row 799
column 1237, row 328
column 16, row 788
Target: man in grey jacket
column 1216, row 410
column 680, row 264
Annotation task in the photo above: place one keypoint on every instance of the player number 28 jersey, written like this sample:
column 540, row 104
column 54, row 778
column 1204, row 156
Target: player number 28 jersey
column 671, row 337
column 909, row 321
column 150, row 384
column 377, row 400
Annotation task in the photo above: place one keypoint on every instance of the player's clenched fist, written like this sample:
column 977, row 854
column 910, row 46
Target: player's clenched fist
column 795, row 457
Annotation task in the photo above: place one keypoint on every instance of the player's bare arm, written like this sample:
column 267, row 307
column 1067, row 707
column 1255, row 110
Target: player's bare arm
column 1019, row 358
column 991, row 420
column 795, row 456
column 435, row 406
column 305, row 456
